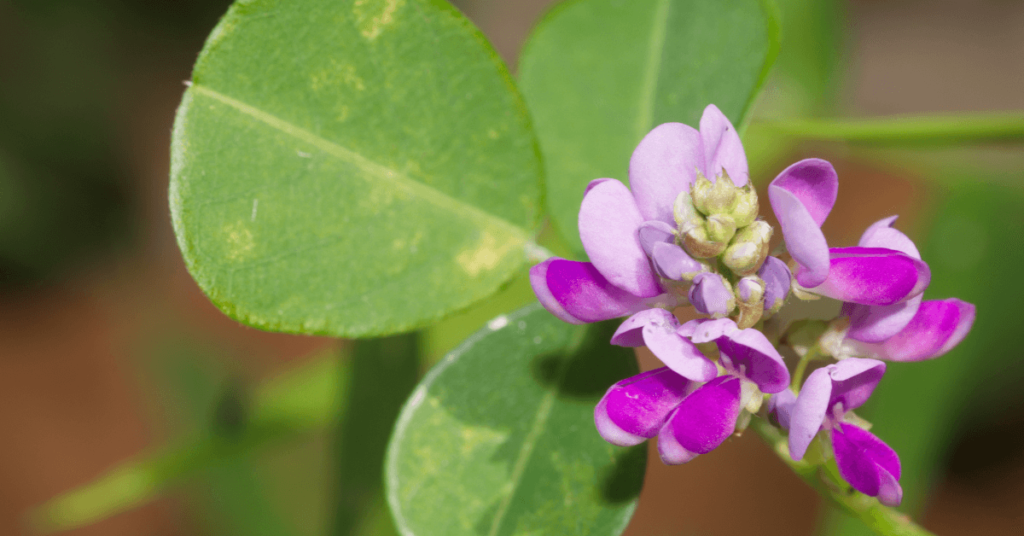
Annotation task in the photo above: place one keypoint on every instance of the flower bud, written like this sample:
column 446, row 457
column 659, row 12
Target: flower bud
column 699, row 245
column 719, row 198
column 750, row 294
column 749, row 248
column 721, row 228
column 745, row 209
column 712, row 295
column 671, row 262
column 685, row 214
column 776, row 277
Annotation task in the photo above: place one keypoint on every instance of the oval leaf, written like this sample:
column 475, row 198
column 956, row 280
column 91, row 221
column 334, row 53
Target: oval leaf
column 499, row 438
column 599, row 74
column 351, row 168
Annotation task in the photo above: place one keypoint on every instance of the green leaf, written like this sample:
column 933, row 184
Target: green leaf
column 599, row 74
column 499, row 438
column 351, row 168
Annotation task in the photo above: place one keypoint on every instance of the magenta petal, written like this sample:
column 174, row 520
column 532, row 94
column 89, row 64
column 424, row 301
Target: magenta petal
column 710, row 295
column 539, row 282
column 808, row 412
column 670, row 451
column 751, row 355
column 879, row 322
column 635, row 408
column 581, row 293
column 938, row 326
column 868, row 464
column 873, row 276
column 662, row 166
column 776, row 277
column 804, row 239
column 815, row 185
column 677, row 353
column 853, row 381
column 655, row 232
column 707, row 417
column 722, row 147
column 706, row 330
column 608, row 222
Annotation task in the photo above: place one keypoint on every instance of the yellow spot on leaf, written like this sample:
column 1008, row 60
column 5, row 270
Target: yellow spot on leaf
column 487, row 254
column 240, row 242
column 375, row 15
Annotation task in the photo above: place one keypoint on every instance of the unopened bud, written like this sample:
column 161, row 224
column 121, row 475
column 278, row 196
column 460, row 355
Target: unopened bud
column 776, row 278
column 745, row 210
column 685, row 214
column 719, row 198
column 749, row 248
column 699, row 191
column 697, row 243
column 712, row 295
column 750, row 294
column 721, row 228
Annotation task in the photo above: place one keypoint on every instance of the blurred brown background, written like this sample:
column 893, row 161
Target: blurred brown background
column 105, row 341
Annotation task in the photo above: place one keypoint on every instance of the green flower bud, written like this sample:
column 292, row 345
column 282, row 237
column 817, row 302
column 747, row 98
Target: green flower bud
column 749, row 248
column 699, row 245
column 721, row 228
column 745, row 209
column 685, row 214
column 719, row 198
column 699, row 192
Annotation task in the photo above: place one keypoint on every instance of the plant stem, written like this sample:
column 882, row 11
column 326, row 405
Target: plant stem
column 882, row 519
column 813, row 353
column 951, row 129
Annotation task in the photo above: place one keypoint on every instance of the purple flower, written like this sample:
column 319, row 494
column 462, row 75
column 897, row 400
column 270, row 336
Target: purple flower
column 689, row 418
column 802, row 196
column 829, row 393
column 937, row 327
column 630, row 236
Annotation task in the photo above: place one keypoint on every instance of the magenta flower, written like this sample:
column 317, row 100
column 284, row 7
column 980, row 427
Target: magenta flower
column 824, row 403
column 689, row 418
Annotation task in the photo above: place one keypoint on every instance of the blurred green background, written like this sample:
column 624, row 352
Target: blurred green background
column 109, row 351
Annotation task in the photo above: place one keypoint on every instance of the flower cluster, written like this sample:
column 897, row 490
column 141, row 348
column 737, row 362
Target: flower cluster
column 687, row 232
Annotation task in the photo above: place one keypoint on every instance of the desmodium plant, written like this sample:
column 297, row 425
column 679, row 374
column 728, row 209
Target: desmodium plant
column 370, row 168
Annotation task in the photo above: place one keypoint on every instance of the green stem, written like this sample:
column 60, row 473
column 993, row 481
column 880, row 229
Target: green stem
column 951, row 129
column 882, row 519
column 813, row 353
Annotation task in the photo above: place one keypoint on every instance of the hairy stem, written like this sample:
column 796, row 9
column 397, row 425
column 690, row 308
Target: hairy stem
column 882, row 519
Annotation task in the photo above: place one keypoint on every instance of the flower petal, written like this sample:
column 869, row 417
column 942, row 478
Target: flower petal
column 853, row 381
column 876, row 323
column 938, row 326
column 867, row 463
column 751, row 355
column 677, row 353
column 706, row 330
column 671, row 262
column 671, row 452
column 776, row 277
column 577, row 293
column 802, row 196
column 781, row 405
column 663, row 165
column 873, row 276
column 707, row 417
column 653, row 232
column 630, row 332
column 608, row 222
column 722, row 147
column 635, row 408
column 813, row 182
column 809, row 412
column 710, row 295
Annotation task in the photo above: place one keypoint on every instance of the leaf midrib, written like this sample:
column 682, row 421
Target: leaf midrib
column 400, row 180
column 652, row 68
